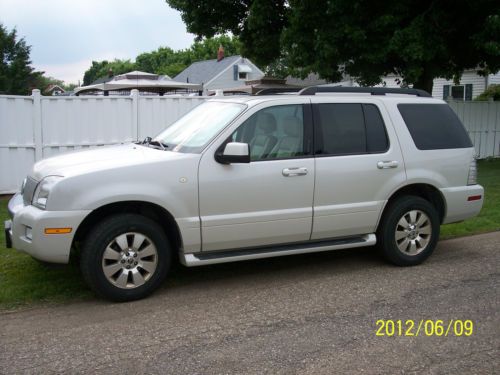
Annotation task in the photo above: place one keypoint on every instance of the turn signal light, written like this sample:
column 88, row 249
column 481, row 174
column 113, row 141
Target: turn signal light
column 58, row 230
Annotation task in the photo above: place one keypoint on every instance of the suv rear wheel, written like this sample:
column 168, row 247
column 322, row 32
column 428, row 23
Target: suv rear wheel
column 125, row 257
column 409, row 231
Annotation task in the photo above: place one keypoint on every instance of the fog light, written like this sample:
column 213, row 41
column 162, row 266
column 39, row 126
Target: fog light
column 29, row 233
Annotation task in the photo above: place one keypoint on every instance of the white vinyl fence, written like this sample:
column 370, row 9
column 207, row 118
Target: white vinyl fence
column 35, row 127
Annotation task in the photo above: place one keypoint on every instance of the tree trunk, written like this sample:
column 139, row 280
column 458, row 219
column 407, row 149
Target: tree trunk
column 425, row 83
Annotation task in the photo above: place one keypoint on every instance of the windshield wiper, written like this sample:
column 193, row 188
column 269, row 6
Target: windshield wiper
column 148, row 141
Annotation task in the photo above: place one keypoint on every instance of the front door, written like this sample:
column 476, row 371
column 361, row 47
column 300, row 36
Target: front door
column 269, row 200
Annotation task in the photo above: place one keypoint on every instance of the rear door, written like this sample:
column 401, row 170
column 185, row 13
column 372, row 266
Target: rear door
column 358, row 165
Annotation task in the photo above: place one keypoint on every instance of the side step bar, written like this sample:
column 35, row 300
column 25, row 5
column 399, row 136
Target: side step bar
column 214, row 257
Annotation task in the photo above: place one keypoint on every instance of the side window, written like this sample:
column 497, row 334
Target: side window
column 352, row 128
column 376, row 134
column 434, row 126
column 273, row 133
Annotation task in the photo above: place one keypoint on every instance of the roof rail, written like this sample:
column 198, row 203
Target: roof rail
column 312, row 90
column 278, row 90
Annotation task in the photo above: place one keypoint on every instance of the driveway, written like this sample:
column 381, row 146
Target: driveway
column 315, row 313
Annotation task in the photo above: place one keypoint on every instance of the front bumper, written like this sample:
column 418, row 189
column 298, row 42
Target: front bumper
column 27, row 230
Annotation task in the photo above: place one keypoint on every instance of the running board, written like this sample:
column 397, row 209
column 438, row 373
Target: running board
column 214, row 257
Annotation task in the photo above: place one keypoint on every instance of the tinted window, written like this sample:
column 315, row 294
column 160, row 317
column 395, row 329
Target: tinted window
column 434, row 126
column 349, row 129
column 375, row 129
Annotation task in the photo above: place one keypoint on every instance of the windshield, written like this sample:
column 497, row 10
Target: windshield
column 193, row 131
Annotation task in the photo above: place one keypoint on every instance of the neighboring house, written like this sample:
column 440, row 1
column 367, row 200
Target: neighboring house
column 470, row 86
column 54, row 90
column 220, row 73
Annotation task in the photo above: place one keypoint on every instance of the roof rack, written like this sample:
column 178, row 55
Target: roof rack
column 367, row 90
column 278, row 90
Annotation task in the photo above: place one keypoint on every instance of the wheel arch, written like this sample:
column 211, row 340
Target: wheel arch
column 147, row 209
column 422, row 190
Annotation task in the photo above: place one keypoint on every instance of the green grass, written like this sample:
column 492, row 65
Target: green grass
column 24, row 281
column 489, row 218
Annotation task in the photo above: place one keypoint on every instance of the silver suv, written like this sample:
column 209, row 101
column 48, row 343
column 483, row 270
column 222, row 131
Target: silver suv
column 254, row 177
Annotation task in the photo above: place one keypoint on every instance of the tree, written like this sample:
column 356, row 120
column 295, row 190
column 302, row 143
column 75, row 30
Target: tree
column 416, row 39
column 101, row 69
column 17, row 77
column 167, row 61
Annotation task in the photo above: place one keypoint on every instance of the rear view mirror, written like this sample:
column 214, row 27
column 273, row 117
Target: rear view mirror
column 234, row 152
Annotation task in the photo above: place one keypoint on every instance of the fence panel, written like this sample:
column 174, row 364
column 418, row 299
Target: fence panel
column 32, row 127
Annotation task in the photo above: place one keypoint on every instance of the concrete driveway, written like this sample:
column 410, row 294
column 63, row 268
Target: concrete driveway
column 303, row 314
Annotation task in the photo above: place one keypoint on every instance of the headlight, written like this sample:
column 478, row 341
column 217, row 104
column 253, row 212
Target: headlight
column 43, row 190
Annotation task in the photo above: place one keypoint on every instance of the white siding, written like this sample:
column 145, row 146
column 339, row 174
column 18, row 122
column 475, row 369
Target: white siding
column 468, row 77
column 226, row 79
column 494, row 79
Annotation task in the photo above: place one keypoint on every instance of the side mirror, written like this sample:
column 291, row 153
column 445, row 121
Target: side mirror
column 234, row 152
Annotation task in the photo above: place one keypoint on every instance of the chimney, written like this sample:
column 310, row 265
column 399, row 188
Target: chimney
column 220, row 53
column 110, row 73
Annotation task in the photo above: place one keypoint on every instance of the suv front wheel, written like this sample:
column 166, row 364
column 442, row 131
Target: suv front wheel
column 408, row 231
column 125, row 257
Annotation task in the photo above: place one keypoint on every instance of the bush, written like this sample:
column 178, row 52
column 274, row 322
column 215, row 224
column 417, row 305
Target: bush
column 491, row 92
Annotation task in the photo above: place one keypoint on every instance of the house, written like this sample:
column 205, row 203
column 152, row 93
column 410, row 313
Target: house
column 470, row 86
column 220, row 73
column 53, row 90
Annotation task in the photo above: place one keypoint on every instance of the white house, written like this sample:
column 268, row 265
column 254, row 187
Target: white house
column 470, row 86
column 220, row 73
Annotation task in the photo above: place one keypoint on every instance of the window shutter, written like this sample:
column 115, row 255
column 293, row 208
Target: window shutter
column 235, row 72
column 446, row 92
column 468, row 91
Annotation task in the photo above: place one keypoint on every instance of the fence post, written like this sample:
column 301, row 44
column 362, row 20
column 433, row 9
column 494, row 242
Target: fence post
column 134, row 93
column 37, row 124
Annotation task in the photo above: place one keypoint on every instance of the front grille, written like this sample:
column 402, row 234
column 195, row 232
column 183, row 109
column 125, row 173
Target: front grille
column 29, row 190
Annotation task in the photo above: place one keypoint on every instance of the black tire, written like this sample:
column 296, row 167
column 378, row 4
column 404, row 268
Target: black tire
column 107, row 231
column 388, row 227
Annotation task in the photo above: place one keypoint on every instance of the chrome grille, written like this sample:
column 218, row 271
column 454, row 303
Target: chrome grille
column 29, row 190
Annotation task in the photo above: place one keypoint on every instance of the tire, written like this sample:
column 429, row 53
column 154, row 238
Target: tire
column 125, row 257
column 409, row 231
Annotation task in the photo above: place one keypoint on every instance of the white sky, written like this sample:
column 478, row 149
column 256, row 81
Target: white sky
column 66, row 35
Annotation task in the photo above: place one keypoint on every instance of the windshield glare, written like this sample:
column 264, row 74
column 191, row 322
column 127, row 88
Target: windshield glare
column 192, row 132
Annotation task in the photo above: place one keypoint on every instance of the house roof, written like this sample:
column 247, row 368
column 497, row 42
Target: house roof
column 204, row 71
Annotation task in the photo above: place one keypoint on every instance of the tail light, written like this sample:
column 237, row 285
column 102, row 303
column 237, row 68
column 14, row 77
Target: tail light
column 472, row 179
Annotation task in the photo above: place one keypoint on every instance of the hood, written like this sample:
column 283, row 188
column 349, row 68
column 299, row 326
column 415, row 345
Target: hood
column 109, row 157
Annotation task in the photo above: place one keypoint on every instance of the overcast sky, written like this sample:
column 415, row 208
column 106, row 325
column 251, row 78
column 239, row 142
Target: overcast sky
column 66, row 35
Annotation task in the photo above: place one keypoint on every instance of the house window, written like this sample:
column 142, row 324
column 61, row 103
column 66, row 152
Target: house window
column 242, row 75
column 457, row 92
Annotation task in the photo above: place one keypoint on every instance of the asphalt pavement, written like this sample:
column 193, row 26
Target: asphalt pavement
column 308, row 314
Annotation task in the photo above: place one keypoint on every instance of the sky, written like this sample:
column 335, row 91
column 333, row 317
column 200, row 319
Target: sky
column 66, row 35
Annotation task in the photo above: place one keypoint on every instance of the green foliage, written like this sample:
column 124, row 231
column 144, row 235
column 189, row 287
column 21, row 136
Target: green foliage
column 17, row 77
column 491, row 92
column 165, row 60
column 102, row 69
column 419, row 40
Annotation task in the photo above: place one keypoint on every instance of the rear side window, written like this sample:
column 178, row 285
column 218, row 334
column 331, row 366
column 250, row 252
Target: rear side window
column 353, row 128
column 434, row 126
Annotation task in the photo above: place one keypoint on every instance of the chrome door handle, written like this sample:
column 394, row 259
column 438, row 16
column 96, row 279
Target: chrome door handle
column 292, row 172
column 387, row 164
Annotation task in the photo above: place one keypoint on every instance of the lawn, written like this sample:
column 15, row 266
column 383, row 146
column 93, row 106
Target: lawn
column 24, row 280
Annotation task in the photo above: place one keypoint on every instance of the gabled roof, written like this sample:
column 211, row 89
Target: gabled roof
column 204, row 71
